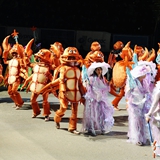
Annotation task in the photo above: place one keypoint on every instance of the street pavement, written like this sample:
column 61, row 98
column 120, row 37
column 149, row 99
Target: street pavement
column 25, row 138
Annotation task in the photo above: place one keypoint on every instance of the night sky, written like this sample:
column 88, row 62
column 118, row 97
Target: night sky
column 115, row 16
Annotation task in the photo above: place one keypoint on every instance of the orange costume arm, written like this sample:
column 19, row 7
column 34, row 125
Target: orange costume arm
column 1, row 76
column 152, row 56
column 51, row 84
column 111, row 59
column 6, row 48
column 113, row 89
column 26, row 82
column 55, row 82
column 82, row 88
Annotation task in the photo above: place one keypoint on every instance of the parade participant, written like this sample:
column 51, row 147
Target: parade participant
column 1, row 73
column 57, row 50
column 95, row 55
column 114, row 55
column 40, row 77
column 153, row 117
column 1, row 68
column 98, row 112
column 67, row 78
column 143, row 54
column 136, row 96
column 95, row 46
column 119, row 72
column 15, row 72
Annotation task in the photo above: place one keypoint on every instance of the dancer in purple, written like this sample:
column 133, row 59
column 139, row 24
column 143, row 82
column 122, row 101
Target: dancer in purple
column 153, row 117
column 136, row 95
column 98, row 112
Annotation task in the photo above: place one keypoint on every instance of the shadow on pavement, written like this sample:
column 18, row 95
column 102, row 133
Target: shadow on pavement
column 9, row 100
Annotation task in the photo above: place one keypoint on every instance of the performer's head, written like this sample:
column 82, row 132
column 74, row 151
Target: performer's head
column 140, row 72
column 98, row 69
column 118, row 45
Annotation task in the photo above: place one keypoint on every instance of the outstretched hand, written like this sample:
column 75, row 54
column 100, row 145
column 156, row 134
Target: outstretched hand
column 22, row 87
column 82, row 101
column 147, row 118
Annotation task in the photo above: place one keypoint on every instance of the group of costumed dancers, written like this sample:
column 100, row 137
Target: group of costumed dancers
column 73, row 79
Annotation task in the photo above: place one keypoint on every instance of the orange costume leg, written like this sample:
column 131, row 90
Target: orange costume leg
column 115, row 102
column 46, row 105
column 14, row 94
column 35, row 106
column 60, row 112
column 11, row 93
column 113, row 90
column 73, row 118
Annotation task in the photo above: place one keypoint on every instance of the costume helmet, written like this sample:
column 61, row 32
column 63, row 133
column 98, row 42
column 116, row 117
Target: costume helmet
column 70, row 54
column 95, row 46
column 96, row 56
column 17, row 48
column 118, row 45
column 44, row 55
column 56, row 48
column 138, row 50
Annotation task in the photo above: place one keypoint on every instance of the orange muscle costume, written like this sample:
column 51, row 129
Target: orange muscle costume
column 119, row 73
column 1, row 68
column 70, row 86
column 40, row 77
column 95, row 55
column 15, row 74
column 56, row 50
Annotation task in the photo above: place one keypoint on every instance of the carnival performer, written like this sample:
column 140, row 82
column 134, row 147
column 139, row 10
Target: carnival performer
column 136, row 96
column 114, row 54
column 67, row 79
column 95, row 46
column 153, row 117
column 1, row 73
column 98, row 112
column 119, row 72
column 1, row 68
column 15, row 72
column 95, row 55
column 40, row 77
column 57, row 50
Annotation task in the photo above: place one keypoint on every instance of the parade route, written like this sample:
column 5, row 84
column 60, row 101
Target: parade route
column 25, row 138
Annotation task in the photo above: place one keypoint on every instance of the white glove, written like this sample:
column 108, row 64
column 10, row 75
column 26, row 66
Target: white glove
column 144, row 100
column 147, row 117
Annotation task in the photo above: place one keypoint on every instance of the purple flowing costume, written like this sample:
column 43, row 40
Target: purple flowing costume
column 154, row 114
column 137, row 99
column 98, row 112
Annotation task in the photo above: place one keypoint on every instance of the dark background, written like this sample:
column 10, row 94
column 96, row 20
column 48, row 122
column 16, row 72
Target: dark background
column 124, row 17
column 116, row 16
column 134, row 17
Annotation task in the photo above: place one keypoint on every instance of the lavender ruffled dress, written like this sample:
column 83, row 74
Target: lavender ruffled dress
column 154, row 114
column 98, row 112
column 137, row 99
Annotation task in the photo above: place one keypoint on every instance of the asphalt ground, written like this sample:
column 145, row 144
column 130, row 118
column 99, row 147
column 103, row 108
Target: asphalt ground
column 25, row 138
